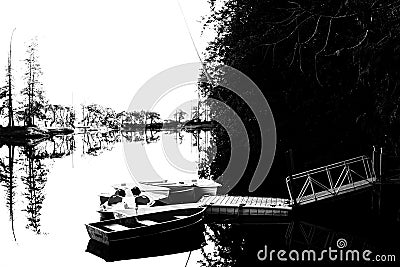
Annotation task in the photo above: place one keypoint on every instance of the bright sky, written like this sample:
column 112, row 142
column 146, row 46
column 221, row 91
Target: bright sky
column 100, row 51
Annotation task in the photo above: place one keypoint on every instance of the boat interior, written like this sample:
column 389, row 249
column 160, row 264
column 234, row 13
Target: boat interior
column 128, row 223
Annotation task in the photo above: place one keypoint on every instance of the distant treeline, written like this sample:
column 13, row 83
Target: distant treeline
column 30, row 107
column 95, row 115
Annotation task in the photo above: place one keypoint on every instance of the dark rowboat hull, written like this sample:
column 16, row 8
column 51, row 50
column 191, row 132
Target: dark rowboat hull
column 186, row 239
column 130, row 228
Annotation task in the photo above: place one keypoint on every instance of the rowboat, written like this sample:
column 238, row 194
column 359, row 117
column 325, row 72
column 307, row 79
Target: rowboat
column 186, row 239
column 147, row 196
column 136, row 227
column 185, row 191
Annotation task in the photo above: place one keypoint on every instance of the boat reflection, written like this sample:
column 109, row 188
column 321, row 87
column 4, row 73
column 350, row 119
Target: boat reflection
column 184, row 240
column 359, row 225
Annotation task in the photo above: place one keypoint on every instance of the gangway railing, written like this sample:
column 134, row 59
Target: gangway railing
column 331, row 180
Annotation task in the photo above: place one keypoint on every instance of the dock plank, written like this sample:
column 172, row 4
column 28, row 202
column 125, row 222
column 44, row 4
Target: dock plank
column 246, row 206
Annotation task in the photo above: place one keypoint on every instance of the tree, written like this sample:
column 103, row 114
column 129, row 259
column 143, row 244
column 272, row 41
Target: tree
column 59, row 115
column 142, row 116
column 121, row 117
column 33, row 106
column 152, row 116
column 180, row 115
column 6, row 91
column 195, row 112
column 94, row 115
column 329, row 70
column 71, row 117
column 110, row 118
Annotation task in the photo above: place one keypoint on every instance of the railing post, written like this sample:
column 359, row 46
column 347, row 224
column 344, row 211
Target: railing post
column 290, row 165
column 373, row 157
column 380, row 164
column 375, row 163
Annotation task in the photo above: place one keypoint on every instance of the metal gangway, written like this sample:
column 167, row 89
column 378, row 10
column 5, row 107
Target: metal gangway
column 331, row 180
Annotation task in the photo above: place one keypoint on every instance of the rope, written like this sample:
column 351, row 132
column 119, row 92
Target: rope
column 187, row 261
column 194, row 44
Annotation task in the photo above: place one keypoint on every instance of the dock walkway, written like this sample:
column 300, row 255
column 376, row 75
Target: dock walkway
column 246, row 206
column 328, row 182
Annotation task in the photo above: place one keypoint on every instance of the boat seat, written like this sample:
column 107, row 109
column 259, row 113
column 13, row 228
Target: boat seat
column 116, row 227
column 147, row 222
column 180, row 216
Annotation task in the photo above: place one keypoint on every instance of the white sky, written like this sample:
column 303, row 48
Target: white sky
column 100, row 51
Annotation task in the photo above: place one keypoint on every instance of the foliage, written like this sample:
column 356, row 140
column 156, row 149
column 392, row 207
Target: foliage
column 152, row 116
column 34, row 103
column 180, row 115
column 329, row 70
column 59, row 115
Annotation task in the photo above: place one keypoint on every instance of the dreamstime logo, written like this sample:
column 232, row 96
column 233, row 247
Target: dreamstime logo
column 330, row 254
column 341, row 243
column 239, row 84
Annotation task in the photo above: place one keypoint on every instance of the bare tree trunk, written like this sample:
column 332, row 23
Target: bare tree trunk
column 11, row 186
column 10, row 107
column 32, row 99
column 28, row 119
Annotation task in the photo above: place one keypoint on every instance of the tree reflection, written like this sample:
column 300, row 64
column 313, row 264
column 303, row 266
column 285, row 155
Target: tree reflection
column 152, row 136
column 30, row 164
column 25, row 166
column 224, row 245
column 34, row 178
column 8, row 181
column 207, row 150
column 95, row 143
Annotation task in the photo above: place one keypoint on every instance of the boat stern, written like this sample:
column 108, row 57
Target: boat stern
column 97, row 234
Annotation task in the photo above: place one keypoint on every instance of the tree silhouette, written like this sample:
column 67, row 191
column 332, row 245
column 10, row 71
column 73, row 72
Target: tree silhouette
column 6, row 91
column 7, row 179
column 180, row 115
column 152, row 116
column 35, row 179
column 329, row 70
column 35, row 101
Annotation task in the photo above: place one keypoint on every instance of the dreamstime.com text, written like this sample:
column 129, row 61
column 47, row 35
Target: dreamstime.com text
column 330, row 254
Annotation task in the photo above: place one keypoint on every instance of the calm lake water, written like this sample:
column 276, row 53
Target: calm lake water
column 49, row 191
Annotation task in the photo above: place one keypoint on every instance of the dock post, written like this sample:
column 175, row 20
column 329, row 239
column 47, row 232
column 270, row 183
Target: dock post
column 373, row 157
column 290, row 164
column 375, row 163
column 380, row 165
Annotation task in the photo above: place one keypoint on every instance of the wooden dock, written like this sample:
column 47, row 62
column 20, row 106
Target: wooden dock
column 329, row 182
column 246, row 206
column 265, row 208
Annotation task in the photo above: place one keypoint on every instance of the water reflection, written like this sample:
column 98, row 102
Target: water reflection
column 33, row 172
column 96, row 143
column 357, row 220
column 184, row 240
column 7, row 180
column 25, row 165
column 369, row 220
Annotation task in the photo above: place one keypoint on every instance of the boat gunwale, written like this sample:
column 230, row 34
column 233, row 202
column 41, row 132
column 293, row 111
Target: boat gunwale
column 199, row 213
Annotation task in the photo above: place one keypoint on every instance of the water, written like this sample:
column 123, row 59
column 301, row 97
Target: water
column 54, row 186
column 53, row 191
